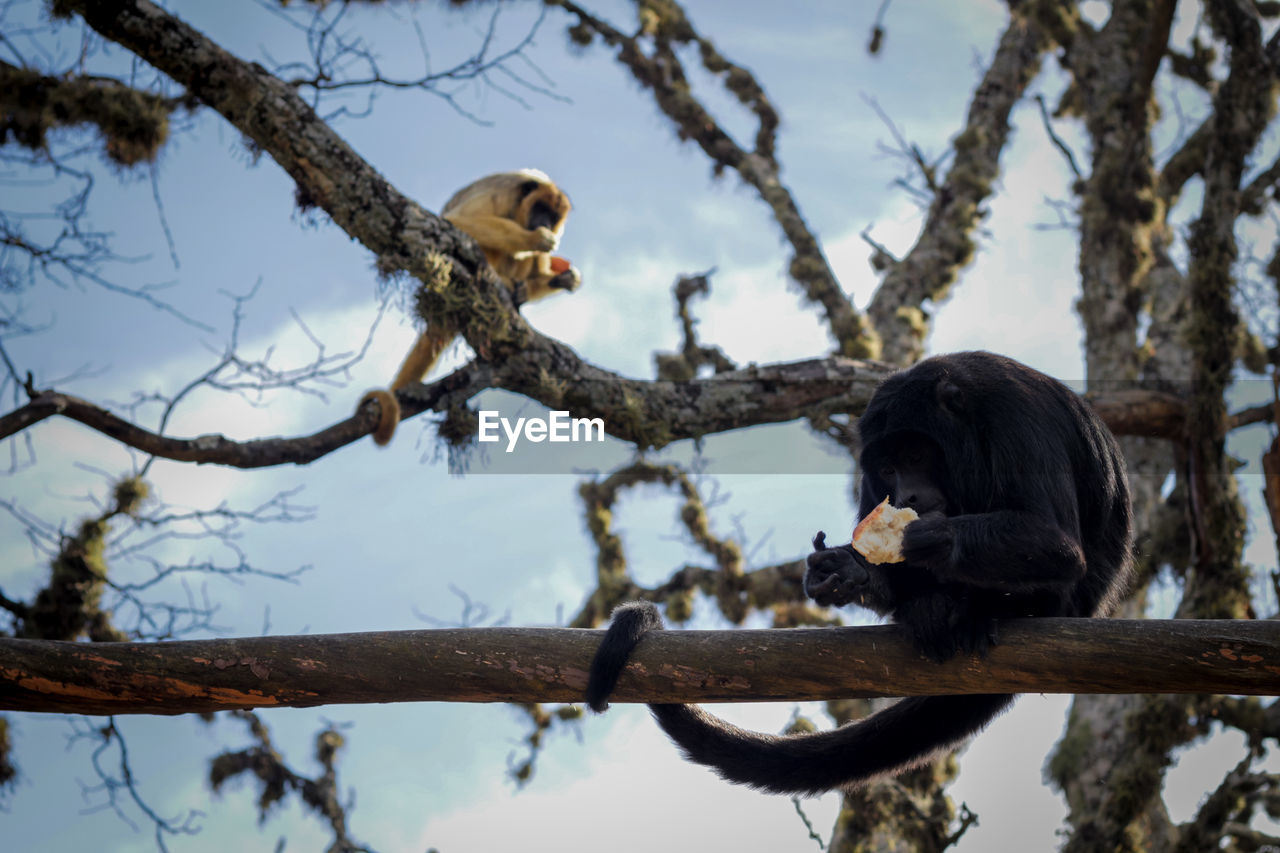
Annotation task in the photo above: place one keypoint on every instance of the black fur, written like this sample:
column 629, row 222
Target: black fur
column 630, row 623
column 565, row 281
column 1024, row 512
column 542, row 216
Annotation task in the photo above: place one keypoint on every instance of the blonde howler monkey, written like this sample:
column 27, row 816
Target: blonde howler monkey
column 517, row 218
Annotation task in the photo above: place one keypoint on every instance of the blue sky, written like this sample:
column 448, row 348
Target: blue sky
column 393, row 529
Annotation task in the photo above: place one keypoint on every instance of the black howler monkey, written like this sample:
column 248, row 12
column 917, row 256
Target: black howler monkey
column 1024, row 511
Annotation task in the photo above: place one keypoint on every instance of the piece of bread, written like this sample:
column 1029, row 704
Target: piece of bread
column 878, row 536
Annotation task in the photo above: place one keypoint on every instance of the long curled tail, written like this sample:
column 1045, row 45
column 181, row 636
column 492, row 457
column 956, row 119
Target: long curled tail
column 388, row 414
column 902, row 736
column 417, row 364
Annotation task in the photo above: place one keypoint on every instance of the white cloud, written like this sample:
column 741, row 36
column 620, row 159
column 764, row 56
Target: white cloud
column 610, row 794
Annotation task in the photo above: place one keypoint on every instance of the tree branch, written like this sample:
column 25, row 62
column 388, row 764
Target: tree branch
column 1244, row 104
column 403, row 235
column 134, row 124
column 216, row 449
column 328, row 172
column 550, row 665
column 331, row 175
column 648, row 413
column 664, row 30
column 945, row 244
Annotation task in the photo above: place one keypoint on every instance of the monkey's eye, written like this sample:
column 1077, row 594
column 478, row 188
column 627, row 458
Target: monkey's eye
column 887, row 472
column 915, row 459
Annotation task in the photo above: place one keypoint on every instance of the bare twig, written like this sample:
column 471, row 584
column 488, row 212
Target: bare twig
column 275, row 778
column 1057, row 140
column 119, row 784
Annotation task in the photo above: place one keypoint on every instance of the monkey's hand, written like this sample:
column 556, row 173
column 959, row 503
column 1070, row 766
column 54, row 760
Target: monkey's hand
column 567, row 280
column 544, row 239
column 834, row 577
column 943, row 625
column 929, row 543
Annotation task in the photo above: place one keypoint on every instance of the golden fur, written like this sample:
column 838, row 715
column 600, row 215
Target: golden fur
column 517, row 218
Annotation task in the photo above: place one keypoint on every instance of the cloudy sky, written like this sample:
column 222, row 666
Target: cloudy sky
column 392, row 530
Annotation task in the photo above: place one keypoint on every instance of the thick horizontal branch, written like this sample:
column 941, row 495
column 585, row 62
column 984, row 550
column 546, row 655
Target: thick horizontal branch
column 550, row 665
column 1153, row 414
column 648, row 413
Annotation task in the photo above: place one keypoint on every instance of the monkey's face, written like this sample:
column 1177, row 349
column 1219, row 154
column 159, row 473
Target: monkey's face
column 541, row 206
column 909, row 468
